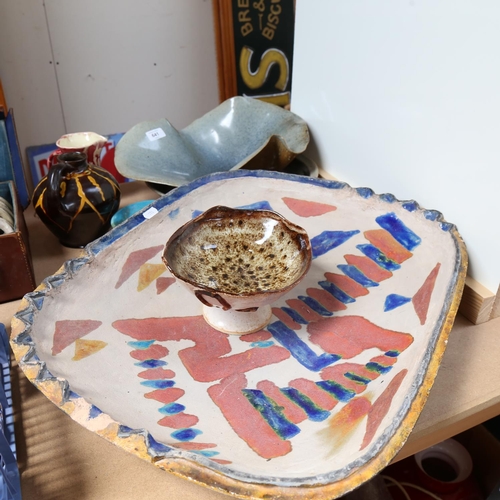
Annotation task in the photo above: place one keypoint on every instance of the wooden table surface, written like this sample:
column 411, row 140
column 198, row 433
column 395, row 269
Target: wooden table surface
column 59, row 459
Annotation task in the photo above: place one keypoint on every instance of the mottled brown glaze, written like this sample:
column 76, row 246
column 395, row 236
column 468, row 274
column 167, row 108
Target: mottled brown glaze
column 239, row 252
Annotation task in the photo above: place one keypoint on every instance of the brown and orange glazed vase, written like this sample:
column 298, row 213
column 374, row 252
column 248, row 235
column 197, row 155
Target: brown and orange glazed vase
column 76, row 200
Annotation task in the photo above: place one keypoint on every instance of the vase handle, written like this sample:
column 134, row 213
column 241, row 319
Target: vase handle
column 56, row 173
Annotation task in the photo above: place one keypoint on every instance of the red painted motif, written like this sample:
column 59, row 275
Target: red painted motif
column 381, row 406
column 285, row 318
column 384, row 360
column 306, row 312
column 210, row 358
column 368, row 267
column 179, row 421
column 326, row 299
column 291, row 411
column 163, row 283
column 348, row 336
column 67, row 331
column 347, row 285
column 245, row 420
column 155, row 351
column 345, row 422
column 134, row 262
column 157, row 374
column 388, row 245
column 165, row 395
column 260, row 336
column 305, row 208
column 337, row 373
column 422, row 298
column 313, row 392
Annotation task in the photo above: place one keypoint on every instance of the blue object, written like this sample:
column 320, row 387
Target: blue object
column 126, row 212
column 10, row 485
column 11, row 167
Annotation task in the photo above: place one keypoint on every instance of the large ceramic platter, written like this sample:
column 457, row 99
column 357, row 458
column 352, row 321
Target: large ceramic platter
column 310, row 407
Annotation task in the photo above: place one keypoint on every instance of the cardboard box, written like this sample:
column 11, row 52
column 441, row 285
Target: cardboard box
column 16, row 267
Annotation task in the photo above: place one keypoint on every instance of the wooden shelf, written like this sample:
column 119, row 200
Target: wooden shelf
column 60, row 459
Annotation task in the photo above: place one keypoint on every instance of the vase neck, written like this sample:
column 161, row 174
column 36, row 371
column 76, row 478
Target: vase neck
column 77, row 161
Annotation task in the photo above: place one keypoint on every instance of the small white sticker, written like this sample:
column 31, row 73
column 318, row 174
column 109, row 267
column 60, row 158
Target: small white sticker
column 154, row 135
column 150, row 212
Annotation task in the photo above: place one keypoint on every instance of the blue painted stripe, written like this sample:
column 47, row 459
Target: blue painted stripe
column 172, row 408
column 315, row 306
column 206, row 453
column 158, row 384
column 328, row 240
column 377, row 367
column 392, row 354
column 338, row 391
column 357, row 378
column 299, row 349
column 354, row 273
column 294, row 315
column 185, row 434
column 151, row 363
column 271, row 413
column 336, row 292
column 378, row 257
column 141, row 344
column 390, row 222
column 262, row 344
column 314, row 412
column 394, row 300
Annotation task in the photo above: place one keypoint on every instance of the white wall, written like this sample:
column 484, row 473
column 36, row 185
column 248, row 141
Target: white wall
column 403, row 97
column 73, row 65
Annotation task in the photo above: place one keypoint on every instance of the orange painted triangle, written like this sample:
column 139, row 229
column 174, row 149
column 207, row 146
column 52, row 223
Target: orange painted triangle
column 305, row 208
column 85, row 348
column 422, row 298
column 67, row 331
column 148, row 273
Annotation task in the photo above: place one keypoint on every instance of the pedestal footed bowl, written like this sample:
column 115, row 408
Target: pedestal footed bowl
column 237, row 262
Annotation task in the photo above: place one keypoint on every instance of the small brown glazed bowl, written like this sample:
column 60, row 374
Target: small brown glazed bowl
column 237, row 258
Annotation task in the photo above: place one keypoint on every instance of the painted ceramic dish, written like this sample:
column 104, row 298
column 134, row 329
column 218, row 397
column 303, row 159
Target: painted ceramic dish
column 240, row 132
column 310, row 407
column 237, row 262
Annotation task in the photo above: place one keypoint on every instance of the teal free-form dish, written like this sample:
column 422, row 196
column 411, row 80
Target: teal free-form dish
column 124, row 213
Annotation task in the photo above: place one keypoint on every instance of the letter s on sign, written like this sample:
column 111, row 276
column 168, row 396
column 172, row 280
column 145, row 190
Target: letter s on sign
column 255, row 80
